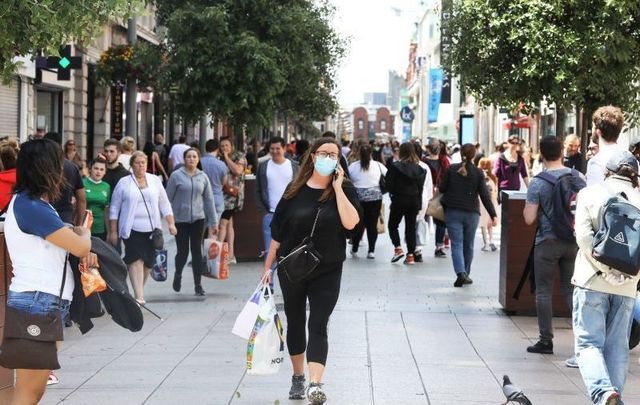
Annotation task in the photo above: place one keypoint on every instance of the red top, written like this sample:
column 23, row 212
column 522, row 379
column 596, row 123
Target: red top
column 7, row 182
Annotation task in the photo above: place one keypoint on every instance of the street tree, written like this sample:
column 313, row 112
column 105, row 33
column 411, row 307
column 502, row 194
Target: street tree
column 27, row 27
column 242, row 61
column 570, row 52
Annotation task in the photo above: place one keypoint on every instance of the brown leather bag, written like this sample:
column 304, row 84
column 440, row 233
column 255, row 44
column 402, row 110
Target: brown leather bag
column 29, row 340
column 231, row 190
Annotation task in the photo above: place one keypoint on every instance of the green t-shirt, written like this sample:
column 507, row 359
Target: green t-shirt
column 98, row 197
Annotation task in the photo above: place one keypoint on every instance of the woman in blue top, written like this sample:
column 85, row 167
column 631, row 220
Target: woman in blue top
column 38, row 243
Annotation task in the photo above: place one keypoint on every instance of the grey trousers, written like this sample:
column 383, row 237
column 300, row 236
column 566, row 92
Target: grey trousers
column 548, row 257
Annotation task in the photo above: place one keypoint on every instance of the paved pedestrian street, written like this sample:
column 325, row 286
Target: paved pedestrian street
column 400, row 335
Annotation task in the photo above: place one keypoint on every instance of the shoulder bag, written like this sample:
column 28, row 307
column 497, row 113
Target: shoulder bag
column 302, row 261
column 156, row 234
column 435, row 209
column 29, row 340
column 382, row 182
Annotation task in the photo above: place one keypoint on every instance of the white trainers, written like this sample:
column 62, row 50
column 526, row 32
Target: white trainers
column 315, row 394
column 52, row 379
column 371, row 255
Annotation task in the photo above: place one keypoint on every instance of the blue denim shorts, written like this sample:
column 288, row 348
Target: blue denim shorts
column 38, row 302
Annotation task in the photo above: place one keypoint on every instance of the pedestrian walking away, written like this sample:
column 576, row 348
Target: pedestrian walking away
column 189, row 192
column 604, row 297
column 486, row 223
column 137, row 204
column 549, row 199
column 461, row 186
column 318, row 195
column 366, row 174
column 38, row 242
column 405, row 180
column 217, row 172
column 438, row 164
column 427, row 194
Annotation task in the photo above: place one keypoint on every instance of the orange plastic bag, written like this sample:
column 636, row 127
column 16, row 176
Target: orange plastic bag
column 90, row 278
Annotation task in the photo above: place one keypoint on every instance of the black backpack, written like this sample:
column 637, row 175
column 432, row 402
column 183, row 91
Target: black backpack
column 563, row 201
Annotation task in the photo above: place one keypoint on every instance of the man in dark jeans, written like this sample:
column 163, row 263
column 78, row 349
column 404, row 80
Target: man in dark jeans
column 550, row 251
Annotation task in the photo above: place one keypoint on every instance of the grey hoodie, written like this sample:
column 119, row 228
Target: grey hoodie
column 191, row 197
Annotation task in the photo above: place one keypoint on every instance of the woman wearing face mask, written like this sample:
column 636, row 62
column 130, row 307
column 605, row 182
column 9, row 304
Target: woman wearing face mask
column 318, row 191
column 98, row 196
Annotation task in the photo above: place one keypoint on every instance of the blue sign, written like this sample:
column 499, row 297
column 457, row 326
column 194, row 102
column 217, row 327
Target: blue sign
column 406, row 114
column 436, row 76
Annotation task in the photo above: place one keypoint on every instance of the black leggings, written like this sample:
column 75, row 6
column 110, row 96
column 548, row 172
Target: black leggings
column 190, row 233
column 409, row 210
column 371, row 210
column 322, row 291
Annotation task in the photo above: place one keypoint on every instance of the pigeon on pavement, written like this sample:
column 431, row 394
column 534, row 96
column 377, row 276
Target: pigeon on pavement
column 514, row 394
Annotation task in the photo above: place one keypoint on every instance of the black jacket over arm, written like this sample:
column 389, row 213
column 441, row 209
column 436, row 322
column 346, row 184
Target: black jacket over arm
column 461, row 192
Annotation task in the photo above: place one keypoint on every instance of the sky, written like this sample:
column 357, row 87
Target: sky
column 379, row 33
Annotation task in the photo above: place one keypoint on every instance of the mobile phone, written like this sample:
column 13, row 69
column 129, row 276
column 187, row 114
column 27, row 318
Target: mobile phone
column 87, row 220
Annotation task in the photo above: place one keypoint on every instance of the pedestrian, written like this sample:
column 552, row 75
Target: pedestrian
column 156, row 167
column 38, row 242
column 427, row 194
column 602, row 306
column 161, row 149
column 71, row 154
column 272, row 179
column 343, row 161
column 486, row 223
column 98, row 196
column 552, row 250
column 573, row 159
column 593, row 147
column 461, row 186
column 233, row 191
column 365, row 173
column 70, row 211
column 510, row 167
column 191, row 197
column 318, row 191
column 405, row 180
column 438, row 163
column 217, row 172
column 302, row 145
column 176, row 155
column 127, row 147
column 137, row 204
column 115, row 170
column 8, row 159
column 607, row 123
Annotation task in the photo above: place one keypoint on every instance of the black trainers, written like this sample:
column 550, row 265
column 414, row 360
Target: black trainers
column 467, row 280
column 542, row 347
column 440, row 253
column 177, row 283
column 417, row 257
column 199, row 291
column 459, row 280
column 297, row 387
column 315, row 394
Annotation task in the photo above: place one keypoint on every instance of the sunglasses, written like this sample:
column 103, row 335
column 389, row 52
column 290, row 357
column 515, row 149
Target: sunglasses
column 514, row 142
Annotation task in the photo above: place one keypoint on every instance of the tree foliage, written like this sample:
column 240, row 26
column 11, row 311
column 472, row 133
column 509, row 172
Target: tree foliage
column 243, row 60
column 28, row 26
column 582, row 52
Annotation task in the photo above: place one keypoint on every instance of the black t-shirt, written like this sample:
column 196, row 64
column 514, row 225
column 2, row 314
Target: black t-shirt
column 293, row 220
column 73, row 181
column 575, row 162
column 113, row 176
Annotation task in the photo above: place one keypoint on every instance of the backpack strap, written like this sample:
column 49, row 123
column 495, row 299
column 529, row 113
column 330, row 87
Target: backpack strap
column 549, row 178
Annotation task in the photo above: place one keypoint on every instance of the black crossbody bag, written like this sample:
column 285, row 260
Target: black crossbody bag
column 157, row 239
column 29, row 340
column 302, row 261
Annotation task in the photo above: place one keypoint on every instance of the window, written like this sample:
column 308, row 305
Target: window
column 360, row 123
column 383, row 125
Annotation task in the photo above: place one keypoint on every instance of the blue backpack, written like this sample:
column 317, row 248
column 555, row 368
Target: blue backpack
column 563, row 201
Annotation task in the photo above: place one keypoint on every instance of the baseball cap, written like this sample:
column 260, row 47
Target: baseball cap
column 622, row 158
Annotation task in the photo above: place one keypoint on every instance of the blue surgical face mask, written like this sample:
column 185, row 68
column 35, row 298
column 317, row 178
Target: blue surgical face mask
column 325, row 166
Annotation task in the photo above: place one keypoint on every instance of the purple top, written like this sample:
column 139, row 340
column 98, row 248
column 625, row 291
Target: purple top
column 508, row 173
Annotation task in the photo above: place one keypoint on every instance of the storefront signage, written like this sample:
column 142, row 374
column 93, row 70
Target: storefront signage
column 117, row 109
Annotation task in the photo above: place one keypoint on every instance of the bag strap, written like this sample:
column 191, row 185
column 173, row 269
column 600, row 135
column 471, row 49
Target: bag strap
column 315, row 221
column 143, row 200
column 64, row 277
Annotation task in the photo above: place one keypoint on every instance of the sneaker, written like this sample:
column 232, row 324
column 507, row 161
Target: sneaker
column 440, row 253
column 354, row 254
column 371, row 255
column 459, row 280
column 232, row 260
column 315, row 394
column 397, row 255
column 485, row 248
column 571, row 362
column 52, row 379
column 410, row 260
column 493, row 247
column 542, row 347
column 467, row 280
column 612, row 399
column 446, row 242
column 177, row 283
column 297, row 387
column 417, row 257
column 199, row 291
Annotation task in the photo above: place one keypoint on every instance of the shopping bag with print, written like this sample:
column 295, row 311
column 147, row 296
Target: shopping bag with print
column 247, row 318
column 159, row 270
column 215, row 255
column 265, row 348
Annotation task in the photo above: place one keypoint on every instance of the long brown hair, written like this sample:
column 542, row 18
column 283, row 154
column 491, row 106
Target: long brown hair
column 306, row 171
column 467, row 152
column 485, row 164
column 408, row 153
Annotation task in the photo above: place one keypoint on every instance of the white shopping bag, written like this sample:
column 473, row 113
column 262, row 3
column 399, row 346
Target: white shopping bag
column 247, row 318
column 265, row 348
column 215, row 255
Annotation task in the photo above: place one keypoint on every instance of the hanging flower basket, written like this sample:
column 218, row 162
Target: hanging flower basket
column 142, row 62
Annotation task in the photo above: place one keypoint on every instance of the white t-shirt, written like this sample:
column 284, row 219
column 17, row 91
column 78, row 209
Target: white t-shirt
column 278, row 176
column 177, row 153
column 597, row 165
column 125, row 160
column 141, row 220
column 369, row 178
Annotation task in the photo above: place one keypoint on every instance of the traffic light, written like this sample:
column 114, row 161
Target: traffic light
column 62, row 64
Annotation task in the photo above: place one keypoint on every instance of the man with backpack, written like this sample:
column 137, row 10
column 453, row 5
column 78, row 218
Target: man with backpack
column 551, row 201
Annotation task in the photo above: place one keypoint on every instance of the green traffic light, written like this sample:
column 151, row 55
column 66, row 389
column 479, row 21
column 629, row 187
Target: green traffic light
column 64, row 62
